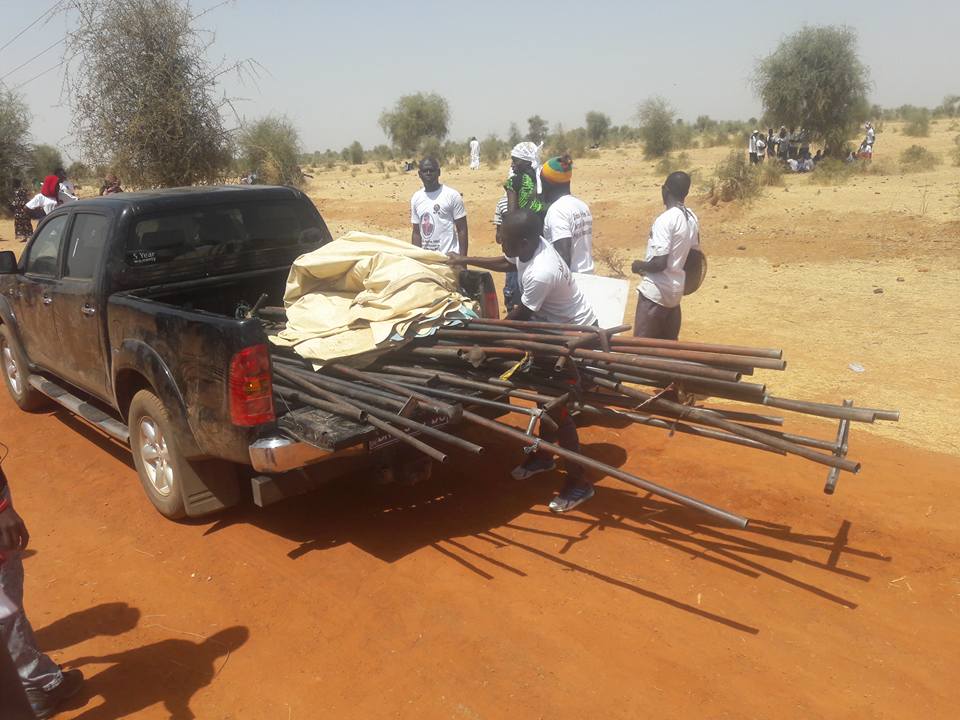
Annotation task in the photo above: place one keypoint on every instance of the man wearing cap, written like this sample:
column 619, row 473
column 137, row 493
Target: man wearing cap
column 673, row 234
column 437, row 214
column 568, row 224
column 549, row 293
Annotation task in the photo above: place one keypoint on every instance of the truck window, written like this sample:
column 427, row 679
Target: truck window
column 199, row 233
column 42, row 257
column 87, row 239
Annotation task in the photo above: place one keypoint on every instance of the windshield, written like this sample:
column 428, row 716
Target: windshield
column 232, row 236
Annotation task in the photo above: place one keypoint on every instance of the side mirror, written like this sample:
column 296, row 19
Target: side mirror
column 8, row 262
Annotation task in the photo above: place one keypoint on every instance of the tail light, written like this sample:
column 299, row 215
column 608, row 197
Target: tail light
column 251, row 387
column 489, row 304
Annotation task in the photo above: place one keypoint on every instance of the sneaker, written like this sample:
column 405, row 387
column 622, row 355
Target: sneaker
column 571, row 497
column 533, row 466
column 45, row 703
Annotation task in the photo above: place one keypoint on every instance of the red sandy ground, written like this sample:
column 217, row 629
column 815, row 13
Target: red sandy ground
column 463, row 597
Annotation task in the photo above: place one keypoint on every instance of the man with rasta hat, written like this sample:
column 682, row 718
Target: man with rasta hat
column 550, row 293
column 672, row 236
column 568, row 224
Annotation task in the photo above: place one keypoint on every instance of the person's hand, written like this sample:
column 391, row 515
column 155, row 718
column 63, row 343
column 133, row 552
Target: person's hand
column 13, row 531
column 637, row 267
column 455, row 260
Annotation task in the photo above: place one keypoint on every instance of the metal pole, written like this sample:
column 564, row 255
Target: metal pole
column 822, row 409
column 720, row 514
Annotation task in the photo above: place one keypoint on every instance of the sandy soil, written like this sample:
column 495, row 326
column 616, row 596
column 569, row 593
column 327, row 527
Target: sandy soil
column 464, row 598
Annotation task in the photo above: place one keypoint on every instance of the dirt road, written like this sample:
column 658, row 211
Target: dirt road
column 463, row 597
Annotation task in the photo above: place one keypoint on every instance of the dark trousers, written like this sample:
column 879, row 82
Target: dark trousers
column 566, row 437
column 511, row 291
column 655, row 321
column 13, row 700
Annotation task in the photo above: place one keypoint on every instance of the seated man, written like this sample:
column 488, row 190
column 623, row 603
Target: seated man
column 548, row 292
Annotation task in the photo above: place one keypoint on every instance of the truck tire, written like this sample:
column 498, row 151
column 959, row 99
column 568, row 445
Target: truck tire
column 16, row 376
column 161, row 466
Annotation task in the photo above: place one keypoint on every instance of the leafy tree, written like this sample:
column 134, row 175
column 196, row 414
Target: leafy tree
column 44, row 159
column 271, row 148
column 656, row 127
column 355, row 153
column 415, row 118
column 14, row 129
column 79, row 169
column 144, row 97
column 513, row 135
column 536, row 129
column 598, row 125
column 815, row 80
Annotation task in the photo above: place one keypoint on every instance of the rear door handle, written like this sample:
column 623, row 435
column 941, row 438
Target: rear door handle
column 47, row 300
column 88, row 310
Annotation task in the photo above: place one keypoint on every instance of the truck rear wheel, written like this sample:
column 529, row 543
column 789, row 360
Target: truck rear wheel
column 159, row 463
column 16, row 377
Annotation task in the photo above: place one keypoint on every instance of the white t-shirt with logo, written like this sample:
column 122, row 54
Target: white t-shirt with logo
column 673, row 233
column 548, row 289
column 436, row 212
column 569, row 217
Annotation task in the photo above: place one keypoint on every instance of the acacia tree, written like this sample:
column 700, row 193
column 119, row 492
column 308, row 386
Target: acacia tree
column 414, row 119
column 14, row 126
column 656, row 127
column 144, row 96
column 815, row 81
column 270, row 147
column 598, row 125
column 536, row 129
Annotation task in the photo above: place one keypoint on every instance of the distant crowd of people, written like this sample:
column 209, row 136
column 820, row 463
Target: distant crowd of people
column 792, row 148
column 55, row 190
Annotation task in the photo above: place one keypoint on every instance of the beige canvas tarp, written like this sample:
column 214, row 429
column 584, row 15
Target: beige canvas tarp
column 356, row 293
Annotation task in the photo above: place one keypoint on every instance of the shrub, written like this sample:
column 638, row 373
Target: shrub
column 492, row 150
column 955, row 153
column 917, row 158
column 831, row 171
column 918, row 123
column 44, row 159
column 432, row 147
column 771, row 173
column 734, row 179
column 536, row 129
column 271, row 147
column 598, row 125
column 355, row 153
column 672, row 163
column 656, row 127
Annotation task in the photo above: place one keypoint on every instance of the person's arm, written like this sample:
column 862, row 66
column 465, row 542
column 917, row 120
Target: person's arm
column 13, row 531
column 459, row 212
column 496, row 264
column 462, row 236
column 564, row 246
column 520, row 312
column 658, row 248
column 415, row 235
column 657, row 263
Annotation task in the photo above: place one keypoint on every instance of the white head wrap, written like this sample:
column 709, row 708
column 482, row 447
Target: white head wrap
column 531, row 153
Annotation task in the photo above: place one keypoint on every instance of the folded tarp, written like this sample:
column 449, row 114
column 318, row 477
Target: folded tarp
column 362, row 292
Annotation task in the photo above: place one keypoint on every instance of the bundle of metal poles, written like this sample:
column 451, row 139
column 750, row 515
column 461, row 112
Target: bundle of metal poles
column 468, row 373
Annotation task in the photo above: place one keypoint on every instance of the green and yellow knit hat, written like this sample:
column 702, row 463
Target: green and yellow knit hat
column 557, row 170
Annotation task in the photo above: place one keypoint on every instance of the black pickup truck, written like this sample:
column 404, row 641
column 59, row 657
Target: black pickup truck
column 129, row 310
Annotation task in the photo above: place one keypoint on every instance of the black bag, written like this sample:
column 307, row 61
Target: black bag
column 695, row 270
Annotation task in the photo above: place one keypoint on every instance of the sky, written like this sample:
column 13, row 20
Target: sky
column 333, row 67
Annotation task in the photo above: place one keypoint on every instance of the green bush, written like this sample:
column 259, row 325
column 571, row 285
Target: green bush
column 918, row 123
column 493, row 150
column 734, row 179
column 656, row 127
column 917, row 158
column 672, row 163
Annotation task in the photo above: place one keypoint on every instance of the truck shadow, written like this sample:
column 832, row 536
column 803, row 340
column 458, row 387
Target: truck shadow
column 471, row 508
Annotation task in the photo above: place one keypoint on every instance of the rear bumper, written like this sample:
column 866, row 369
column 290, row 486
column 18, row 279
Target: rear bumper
column 279, row 454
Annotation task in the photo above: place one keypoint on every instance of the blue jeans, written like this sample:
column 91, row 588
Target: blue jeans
column 37, row 671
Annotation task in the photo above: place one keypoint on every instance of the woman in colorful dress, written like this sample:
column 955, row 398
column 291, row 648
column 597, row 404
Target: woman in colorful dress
column 22, row 226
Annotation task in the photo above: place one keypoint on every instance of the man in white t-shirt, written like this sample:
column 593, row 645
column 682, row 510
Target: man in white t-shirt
column 568, row 224
column 437, row 214
column 548, row 292
column 673, row 234
column 474, row 154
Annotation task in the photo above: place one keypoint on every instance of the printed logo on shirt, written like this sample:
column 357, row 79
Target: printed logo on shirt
column 436, row 209
column 427, row 225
